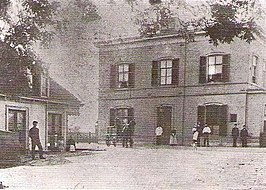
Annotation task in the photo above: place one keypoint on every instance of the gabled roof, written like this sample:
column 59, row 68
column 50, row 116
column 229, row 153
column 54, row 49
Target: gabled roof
column 59, row 94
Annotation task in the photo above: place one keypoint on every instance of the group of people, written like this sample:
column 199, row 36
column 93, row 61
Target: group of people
column 205, row 132
column 243, row 135
column 198, row 132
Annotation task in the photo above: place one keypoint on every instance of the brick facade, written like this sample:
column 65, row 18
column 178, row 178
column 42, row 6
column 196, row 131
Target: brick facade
column 235, row 91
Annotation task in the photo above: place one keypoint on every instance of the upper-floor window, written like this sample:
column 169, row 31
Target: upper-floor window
column 254, row 68
column 29, row 77
column 214, row 68
column 165, row 72
column 122, row 76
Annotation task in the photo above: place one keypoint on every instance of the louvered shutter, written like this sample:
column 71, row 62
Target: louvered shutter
column 131, row 113
column 131, row 79
column 201, row 115
column 112, row 116
column 113, row 78
column 226, row 68
column 223, row 120
column 154, row 73
column 175, row 72
column 202, row 69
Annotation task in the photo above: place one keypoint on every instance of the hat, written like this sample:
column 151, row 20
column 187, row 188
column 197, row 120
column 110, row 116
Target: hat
column 35, row 122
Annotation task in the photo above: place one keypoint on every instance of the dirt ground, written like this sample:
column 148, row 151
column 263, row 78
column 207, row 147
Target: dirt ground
column 181, row 168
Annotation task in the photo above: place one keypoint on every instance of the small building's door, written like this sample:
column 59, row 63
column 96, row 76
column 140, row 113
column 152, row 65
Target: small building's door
column 55, row 132
column 164, row 119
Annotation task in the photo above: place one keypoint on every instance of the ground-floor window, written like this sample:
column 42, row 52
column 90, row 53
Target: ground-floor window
column 215, row 116
column 16, row 122
column 55, row 132
column 119, row 116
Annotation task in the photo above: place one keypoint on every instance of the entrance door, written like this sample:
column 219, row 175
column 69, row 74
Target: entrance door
column 17, row 124
column 164, row 119
column 55, row 132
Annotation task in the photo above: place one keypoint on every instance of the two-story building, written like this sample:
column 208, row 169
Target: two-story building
column 166, row 81
column 27, row 93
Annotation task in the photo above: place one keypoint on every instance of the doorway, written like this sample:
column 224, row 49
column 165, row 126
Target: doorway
column 164, row 119
column 55, row 132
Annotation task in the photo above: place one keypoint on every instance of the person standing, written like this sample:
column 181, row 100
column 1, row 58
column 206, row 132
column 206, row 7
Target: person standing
column 244, row 136
column 235, row 135
column 199, row 129
column 131, row 129
column 173, row 138
column 35, row 140
column 125, row 134
column 158, row 133
column 206, row 133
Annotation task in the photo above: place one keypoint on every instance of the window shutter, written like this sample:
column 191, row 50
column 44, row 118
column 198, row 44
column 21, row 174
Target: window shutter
column 131, row 75
column 223, row 120
column 112, row 116
column 226, row 67
column 175, row 72
column 154, row 73
column 202, row 69
column 131, row 113
column 201, row 115
column 113, row 76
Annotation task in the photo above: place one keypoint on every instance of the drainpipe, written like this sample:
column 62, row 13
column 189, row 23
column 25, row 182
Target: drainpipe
column 189, row 37
column 184, row 91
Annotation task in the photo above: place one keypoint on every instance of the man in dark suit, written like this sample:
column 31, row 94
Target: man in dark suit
column 35, row 140
column 235, row 134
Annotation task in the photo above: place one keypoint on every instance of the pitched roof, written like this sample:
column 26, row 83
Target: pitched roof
column 59, row 94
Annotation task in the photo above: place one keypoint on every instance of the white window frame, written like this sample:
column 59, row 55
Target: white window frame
column 166, row 71
column 123, row 75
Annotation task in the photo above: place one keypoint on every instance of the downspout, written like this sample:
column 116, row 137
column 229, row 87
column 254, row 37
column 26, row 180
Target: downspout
column 184, row 91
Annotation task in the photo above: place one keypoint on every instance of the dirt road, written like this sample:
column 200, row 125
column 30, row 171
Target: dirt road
column 148, row 168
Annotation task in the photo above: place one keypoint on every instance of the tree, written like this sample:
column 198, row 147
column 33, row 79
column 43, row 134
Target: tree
column 25, row 22
column 222, row 20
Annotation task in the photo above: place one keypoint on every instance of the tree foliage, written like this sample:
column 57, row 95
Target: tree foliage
column 24, row 22
column 222, row 20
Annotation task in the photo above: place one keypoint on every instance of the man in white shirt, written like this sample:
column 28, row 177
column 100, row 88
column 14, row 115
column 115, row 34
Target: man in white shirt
column 206, row 132
column 158, row 133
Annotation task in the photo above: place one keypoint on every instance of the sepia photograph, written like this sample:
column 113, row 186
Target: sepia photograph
column 133, row 94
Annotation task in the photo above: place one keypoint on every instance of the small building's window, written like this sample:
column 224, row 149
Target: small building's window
column 29, row 77
column 16, row 120
column 254, row 69
column 44, row 83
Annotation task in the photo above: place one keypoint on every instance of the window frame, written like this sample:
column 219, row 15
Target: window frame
column 171, row 72
column 168, row 72
column 223, row 76
column 16, row 109
column 125, row 74
column 215, row 65
column 254, row 69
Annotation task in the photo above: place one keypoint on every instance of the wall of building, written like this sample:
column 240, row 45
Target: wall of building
column 33, row 112
column 145, row 99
